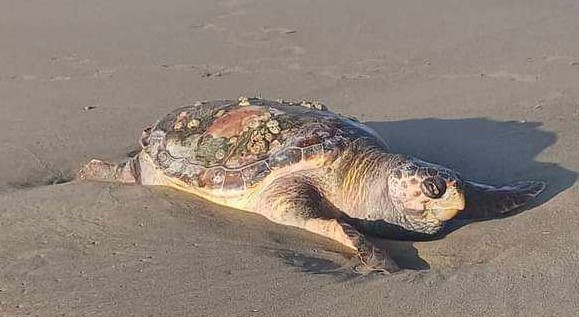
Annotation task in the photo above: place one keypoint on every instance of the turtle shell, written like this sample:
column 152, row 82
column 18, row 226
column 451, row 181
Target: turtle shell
column 234, row 145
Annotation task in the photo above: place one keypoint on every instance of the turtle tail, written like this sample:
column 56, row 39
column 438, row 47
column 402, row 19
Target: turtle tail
column 484, row 201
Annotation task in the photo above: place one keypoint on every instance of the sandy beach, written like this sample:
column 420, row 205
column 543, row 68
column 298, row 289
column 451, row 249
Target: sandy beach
column 488, row 88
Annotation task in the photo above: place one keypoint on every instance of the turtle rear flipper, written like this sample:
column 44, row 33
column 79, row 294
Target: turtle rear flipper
column 127, row 172
column 484, row 201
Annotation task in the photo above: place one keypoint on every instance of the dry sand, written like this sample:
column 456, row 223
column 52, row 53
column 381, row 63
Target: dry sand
column 490, row 88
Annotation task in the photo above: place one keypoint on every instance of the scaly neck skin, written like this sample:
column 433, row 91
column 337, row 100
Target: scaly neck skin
column 362, row 178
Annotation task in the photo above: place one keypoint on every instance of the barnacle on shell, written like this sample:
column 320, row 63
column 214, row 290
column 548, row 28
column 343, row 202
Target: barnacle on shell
column 313, row 105
column 257, row 136
column 218, row 178
column 273, row 126
column 244, row 101
column 257, row 146
column 219, row 154
column 193, row 123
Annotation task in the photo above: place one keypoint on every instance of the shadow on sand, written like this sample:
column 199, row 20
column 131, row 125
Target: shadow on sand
column 482, row 150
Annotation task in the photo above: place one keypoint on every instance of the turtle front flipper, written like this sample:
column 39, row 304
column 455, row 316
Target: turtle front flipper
column 296, row 201
column 371, row 258
column 484, row 201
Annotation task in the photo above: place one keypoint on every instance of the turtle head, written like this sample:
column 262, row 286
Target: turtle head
column 424, row 195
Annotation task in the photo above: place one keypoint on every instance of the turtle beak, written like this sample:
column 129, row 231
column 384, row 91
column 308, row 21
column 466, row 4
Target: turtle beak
column 449, row 205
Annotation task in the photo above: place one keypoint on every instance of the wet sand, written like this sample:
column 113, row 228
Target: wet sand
column 489, row 88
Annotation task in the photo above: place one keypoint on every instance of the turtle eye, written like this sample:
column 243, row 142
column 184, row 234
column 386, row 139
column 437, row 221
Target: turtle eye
column 433, row 187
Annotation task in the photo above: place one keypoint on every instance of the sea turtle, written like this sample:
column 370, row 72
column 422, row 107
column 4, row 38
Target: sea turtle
column 301, row 165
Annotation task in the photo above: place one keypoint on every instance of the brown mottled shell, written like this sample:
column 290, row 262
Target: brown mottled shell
column 234, row 145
